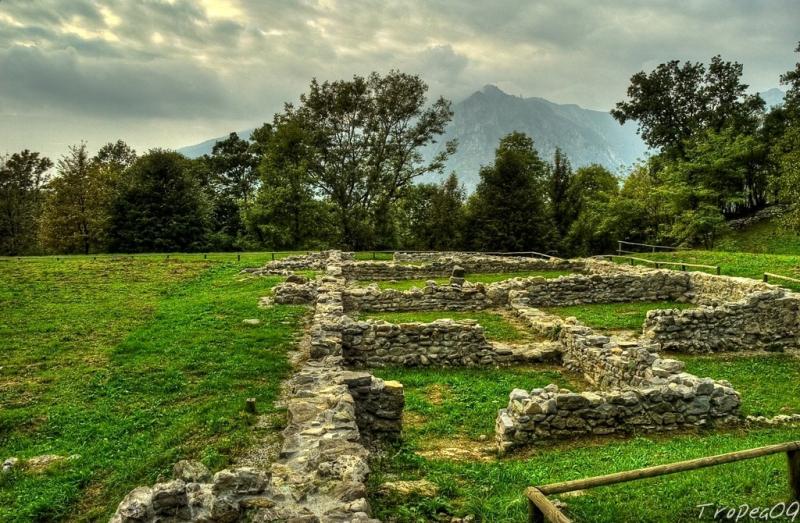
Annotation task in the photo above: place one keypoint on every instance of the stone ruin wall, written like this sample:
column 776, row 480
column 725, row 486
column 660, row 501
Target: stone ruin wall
column 551, row 414
column 321, row 472
column 764, row 321
column 636, row 390
column 432, row 297
column 442, row 267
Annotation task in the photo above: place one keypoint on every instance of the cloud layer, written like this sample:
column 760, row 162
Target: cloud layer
column 171, row 72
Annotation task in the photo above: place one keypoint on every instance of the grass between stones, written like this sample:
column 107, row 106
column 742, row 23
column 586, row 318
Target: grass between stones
column 445, row 403
column 614, row 316
column 769, row 383
column 495, row 325
column 131, row 364
column 404, row 285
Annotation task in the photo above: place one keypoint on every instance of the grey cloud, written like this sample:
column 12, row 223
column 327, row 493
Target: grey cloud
column 62, row 80
column 213, row 69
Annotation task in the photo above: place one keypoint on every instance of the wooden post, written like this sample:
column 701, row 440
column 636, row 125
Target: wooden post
column 205, row 256
column 541, row 509
column 619, row 248
column 683, row 268
column 250, row 405
column 273, row 256
column 534, row 514
column 719, row 270
column 657, row 267
column 766, row 278
column 238, row 257
column 374, row 256
column 794, row 473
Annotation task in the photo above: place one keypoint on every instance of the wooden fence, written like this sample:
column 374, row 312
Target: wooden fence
column 659, row 264
column 647, row 246
column 541, row 509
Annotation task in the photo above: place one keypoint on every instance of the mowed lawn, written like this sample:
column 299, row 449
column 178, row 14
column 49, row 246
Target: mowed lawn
column 129, row 365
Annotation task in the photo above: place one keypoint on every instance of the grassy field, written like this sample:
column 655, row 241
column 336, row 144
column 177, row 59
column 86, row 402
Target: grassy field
column 495, row 325
column 130, row 364
column 769, row 383
column 463, row 402
column 447, row 412
column 613, row 316
column 404, row 285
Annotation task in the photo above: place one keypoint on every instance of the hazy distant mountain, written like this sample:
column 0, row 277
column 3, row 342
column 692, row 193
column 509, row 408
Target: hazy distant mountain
column 586, row 136
column 773, row 96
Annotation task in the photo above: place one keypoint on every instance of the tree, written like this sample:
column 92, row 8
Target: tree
column 74, row 217
column 160, row 206
column 674, row 101
column 285, row 213
column 558, row 186
column 364, row 138
column 430, row 216
column 233, row 166
column 507, row 211
column 22, row 177
column 591, row 192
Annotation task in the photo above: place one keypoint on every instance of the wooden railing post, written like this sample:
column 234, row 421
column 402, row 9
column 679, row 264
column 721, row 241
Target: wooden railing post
column 766, row 278
column 793, row 457
column 534, row 514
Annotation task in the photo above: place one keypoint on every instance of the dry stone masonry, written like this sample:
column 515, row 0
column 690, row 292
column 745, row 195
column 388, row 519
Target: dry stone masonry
column 336, row 410
column 333, row 415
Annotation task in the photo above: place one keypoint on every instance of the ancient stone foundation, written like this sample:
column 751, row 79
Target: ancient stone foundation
column 336, row 412
column 333, row 415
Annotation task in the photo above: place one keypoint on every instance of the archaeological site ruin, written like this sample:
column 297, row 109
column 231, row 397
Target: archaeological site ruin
column 338, row 412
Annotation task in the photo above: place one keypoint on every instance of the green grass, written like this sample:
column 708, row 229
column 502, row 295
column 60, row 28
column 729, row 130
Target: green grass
column 495, row 325
column 742, row 264
column 131, row 364
column 769, row 384
column 493, row 490
column 404, row 285
column 370, row 255
column 764, row 237
column 464, row 401
column 612, row 316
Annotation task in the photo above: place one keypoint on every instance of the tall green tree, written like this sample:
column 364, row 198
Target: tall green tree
column 591, row 192
column 786, row 151
column 558, row 187
column 364, row 140
column 22, row 178
column 674, row 101
column 431, row 216
column 160, row 206
column 285, row 213
column 74, row 217
column 507, row 212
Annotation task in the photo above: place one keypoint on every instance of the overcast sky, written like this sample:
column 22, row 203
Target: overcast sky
column 175, row 72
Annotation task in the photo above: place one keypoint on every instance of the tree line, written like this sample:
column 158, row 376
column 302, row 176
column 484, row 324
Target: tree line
column 339, row 170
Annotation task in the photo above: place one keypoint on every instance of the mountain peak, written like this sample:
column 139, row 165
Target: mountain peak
column 492, row 89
